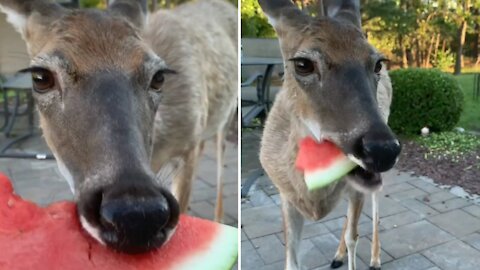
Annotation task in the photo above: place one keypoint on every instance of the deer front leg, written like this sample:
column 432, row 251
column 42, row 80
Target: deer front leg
column 355, row 205
column 375, row 256
column 182, row 182
column 341, row 250
column 220, row 164
column 292, row 227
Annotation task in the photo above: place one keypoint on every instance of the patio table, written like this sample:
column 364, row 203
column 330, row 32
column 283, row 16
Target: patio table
column 263, row 85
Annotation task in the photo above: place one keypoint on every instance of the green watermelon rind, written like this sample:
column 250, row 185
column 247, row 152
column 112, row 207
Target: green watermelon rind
column 221, row 255
column 319, row 178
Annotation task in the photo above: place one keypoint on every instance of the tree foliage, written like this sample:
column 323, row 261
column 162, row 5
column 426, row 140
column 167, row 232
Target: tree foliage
column 90, row 3
column 411, row 33
column 254, row 22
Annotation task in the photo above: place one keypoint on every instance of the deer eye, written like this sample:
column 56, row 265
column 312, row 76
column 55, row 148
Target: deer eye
column 378, row 65
column 42, row 79
column 303, row 66
column 159, row 78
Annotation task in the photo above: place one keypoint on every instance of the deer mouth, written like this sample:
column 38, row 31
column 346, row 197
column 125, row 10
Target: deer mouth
column 360, row 177
column 363, row 179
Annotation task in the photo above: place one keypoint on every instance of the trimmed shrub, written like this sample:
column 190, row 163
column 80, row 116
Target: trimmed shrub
column 424, row 98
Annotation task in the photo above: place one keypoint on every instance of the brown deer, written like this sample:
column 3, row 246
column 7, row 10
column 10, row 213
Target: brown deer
column 335, row 88
column 118, row 96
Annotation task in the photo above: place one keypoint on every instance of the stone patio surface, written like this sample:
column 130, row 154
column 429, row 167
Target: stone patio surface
column 423, row 226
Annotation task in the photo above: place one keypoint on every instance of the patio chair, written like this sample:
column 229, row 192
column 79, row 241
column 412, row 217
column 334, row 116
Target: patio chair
column 12, row 109
column 250, row 89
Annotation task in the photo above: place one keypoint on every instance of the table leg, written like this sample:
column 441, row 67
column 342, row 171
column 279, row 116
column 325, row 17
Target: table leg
column 5, row 108
column 12, row 117
column 250, row 181
column 265, row 90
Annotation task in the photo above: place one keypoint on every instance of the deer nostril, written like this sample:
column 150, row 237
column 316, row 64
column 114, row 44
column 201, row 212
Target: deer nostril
column 127, row 212
column 380, row 155
column 131, row 224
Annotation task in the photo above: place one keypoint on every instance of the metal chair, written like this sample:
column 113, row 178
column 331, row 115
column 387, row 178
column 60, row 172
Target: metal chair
column 20, row 83
column 251, row 104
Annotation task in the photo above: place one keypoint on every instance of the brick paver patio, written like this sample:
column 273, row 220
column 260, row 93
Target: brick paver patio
column 423, row 226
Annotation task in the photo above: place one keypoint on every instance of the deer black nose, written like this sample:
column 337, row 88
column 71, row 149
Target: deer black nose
column 379, row 155
column 135, row 225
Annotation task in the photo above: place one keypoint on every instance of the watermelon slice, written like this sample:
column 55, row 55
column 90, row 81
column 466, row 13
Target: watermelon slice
column 52, row 238
column 321, row 163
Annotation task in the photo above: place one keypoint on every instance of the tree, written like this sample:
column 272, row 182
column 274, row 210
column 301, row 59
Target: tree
column 463, row 13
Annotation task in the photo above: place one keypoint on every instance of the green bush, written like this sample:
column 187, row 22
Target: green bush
column 424, row 98
column 254, row 22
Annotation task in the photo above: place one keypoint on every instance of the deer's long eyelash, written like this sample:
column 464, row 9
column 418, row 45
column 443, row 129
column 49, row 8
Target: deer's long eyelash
column 299, row 58
column 383, row 59
column 32, row 69
column 169, row 71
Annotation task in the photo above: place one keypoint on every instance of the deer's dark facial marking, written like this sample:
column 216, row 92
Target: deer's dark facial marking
column 97, row 111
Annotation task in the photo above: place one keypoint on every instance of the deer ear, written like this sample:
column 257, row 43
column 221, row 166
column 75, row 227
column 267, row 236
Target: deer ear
column 32, row 19
column 134, row 11
column 346, row 10
column 282, row 12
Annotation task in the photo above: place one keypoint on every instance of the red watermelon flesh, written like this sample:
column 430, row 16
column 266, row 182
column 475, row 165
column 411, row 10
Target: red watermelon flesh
column 52, row 238
column 321, row 162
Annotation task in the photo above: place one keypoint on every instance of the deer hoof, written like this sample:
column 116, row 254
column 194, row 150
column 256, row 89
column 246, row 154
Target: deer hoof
column 374, row 268
column 336, row 264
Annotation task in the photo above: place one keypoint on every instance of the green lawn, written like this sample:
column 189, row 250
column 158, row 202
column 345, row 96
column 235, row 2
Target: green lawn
column 470, row 118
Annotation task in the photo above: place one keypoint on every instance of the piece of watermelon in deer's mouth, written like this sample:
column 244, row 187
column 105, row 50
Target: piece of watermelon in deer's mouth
column 322, row 162
column 48, row 238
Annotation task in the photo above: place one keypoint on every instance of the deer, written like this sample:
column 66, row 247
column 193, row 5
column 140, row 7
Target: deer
column 336, row 88
column 120, row 97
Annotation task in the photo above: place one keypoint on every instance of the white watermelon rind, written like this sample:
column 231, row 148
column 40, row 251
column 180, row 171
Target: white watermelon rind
column 319, row 178
column 221, row 255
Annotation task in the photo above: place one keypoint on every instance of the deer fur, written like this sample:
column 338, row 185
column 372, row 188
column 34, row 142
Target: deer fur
column 204, row 92
column 334, row 42
column 110, row 130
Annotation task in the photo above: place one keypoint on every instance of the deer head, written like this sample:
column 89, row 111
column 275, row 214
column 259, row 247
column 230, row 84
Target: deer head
column 333, row 74
column 97, row 86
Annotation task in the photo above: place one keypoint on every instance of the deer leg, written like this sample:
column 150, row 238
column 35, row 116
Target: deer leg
column 375, row 258
column 220, row 163
column 292, row 227
column 341, row 250
column 355, row 205
column 182, row 182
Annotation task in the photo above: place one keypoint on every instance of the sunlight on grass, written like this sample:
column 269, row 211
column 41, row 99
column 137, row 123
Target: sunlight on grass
column 470, row 118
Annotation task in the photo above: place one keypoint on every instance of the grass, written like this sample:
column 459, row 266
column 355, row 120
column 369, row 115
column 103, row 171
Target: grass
column 470, row 118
